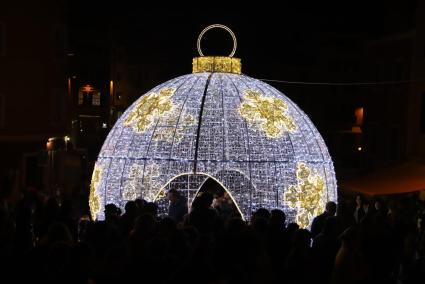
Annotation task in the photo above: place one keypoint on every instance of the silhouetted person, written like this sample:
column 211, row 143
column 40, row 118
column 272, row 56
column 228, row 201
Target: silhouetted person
column 325, row 247
column 140, row 205
column 319, row 221
column 49, row 215
column 67, row 217
column 299, row 262
column 224, row 206
column 151, row 208
column 112, row 214
column 202, row 216
column 350, row 263
column 277, row 243
column 359, row 212
column 7, row 234
column 277, row 220
column 260, row 221
column 127, row 219
column 178, row 207
column 380, row 210
column 261, row 213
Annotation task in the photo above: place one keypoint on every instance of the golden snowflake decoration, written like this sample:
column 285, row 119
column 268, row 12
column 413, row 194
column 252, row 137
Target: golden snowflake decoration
column 132, row 186
column 142, row 185
column 267, row 113
column 150, row 107
column 306, row 196
column 171, row 134
column 94, row 197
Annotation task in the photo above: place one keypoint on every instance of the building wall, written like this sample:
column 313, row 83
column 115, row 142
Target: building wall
column 386, row 105
column 416, row 135
column 32, row 71
column 33, row 85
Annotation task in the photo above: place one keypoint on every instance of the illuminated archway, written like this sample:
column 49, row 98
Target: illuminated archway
column 195, row 183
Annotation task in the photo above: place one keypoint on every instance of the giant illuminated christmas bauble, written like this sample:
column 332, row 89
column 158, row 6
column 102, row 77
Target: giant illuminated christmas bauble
column 216, row 123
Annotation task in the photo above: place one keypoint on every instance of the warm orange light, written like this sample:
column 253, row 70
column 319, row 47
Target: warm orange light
column 87, row 88
column 111, row 88
column 69, row 86
column 356, row 129
column 359, row 116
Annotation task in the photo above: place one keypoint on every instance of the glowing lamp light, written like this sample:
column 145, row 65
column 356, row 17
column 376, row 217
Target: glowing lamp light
column 216, row 123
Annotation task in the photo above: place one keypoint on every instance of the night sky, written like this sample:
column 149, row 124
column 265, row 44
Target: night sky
column 269, row 35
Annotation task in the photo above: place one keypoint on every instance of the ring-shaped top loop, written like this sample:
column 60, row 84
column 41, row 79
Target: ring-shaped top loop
column 212, row 27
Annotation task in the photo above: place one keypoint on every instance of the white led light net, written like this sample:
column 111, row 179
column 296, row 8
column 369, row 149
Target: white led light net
column 249, row 137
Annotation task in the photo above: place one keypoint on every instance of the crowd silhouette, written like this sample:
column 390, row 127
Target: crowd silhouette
column 43, row 240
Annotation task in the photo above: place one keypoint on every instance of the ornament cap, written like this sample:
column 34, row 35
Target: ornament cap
column 216, row 64
column 225, row 64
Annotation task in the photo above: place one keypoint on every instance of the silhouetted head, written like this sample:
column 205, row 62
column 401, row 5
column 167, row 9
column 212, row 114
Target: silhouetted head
column 111, row 211
column 151, row 208
column 331, row 208
column 277, row 218
column 292, row 227
column 140, row 203
column 359, row 200
column 203, row 200
column 207, row 199
column 262, row 213
column 131, row 208
column 173, row 195
column 378, row 204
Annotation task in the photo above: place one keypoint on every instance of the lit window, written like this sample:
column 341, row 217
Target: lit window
column 96, row 98
column 88, row 96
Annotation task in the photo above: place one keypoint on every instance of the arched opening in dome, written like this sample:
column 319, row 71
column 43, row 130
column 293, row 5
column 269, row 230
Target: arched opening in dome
column 192, row 185
column 222, row 200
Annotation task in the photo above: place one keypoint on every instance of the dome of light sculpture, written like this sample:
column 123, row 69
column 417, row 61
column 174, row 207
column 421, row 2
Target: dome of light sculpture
column 216, row 123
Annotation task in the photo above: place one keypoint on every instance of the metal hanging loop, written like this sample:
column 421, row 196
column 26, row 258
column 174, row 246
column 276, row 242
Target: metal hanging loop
column 198, row 44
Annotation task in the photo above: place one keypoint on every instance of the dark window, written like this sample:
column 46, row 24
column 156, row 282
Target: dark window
column 2, row 39
column 2, row 111
column 423, row 113
column 424, row 51
column 59, row 43
column 57, row 106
